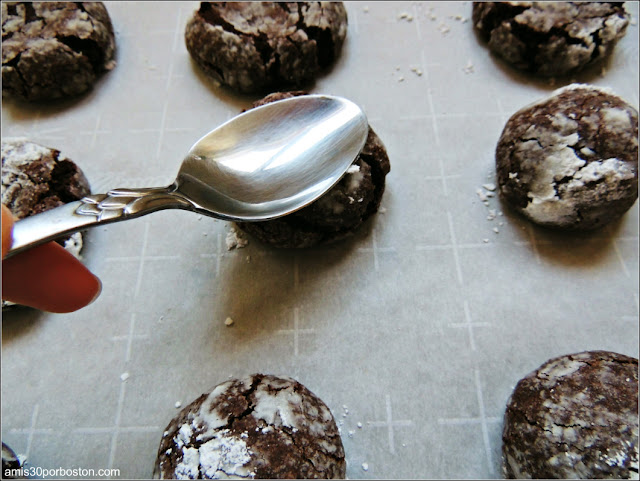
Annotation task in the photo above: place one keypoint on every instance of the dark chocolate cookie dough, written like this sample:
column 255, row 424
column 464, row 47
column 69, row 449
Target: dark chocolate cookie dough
column 339, row 212
column 257, row 47
column 576, row 417
column 571, row 161
column 54, row 50
column 261, row 426
column 551, row 38
column 36, row 178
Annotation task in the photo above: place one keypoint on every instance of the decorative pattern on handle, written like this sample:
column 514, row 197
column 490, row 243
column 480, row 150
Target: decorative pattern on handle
column 129, row 203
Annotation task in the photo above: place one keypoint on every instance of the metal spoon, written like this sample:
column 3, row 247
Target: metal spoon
column 262, row 164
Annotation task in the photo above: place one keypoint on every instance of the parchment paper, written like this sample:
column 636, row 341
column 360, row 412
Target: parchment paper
column 414, row 332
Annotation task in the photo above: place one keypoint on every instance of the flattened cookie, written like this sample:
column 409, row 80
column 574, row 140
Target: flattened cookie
column 571, row 161
column 551, row 38
column 576, row 417
column 54, row 50
column 257, row 47
column 339, row 212
column 36, row 178
column 261, row 426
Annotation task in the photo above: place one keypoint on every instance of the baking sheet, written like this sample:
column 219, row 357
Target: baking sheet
column 414, row 332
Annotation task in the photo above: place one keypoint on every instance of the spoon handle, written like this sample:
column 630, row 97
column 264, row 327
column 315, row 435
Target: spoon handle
column 91, row 211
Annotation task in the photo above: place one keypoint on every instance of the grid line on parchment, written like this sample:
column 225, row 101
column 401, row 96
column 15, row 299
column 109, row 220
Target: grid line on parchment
column 116, row 429
column 469, row 325
column 31, row 431
column 390, row 424
column 296, row 331
column 482, row 419
column 375, row 250
column 448, row 181
column 218, row 255
column 130, row 337
column 142, row 258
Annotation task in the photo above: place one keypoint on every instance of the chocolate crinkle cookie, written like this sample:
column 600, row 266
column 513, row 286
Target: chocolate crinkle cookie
column 551, row 38
column 261, row 426
column 257, row 47
column 36, row 178
column 571, row 161
column 576, row 417
column 54, row 50
column 339, row 212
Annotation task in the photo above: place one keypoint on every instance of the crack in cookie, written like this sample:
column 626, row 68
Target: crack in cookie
column 261, row 426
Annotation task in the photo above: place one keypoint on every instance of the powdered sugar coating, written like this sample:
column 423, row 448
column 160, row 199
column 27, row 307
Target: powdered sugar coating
column 36, row 178
column 571, row 160
column 574, row 417
column 551, row 38
column 262, row 46
column 261, row 426
column 54, row 50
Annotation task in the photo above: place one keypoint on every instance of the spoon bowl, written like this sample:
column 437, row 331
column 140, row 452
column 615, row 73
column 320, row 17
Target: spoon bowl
column 262, row 164
column 274, row 159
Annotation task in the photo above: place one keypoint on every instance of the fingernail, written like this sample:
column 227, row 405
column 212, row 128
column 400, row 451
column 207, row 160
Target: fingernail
column 98, row 292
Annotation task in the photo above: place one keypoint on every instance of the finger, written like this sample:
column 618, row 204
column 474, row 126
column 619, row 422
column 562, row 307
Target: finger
column 7, row 227
column 49, row 278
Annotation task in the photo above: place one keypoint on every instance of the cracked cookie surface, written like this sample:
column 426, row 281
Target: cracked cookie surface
column 54, row 50
column 576, row 417
column 571, row 161
column 551, row 38
column 338, row 213
column 35, row 179
column 257, row 47
column 261, row 426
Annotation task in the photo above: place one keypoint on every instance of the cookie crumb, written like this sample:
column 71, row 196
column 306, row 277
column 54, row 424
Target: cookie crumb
column 359, row 425
column 178, row 404
column 235, row 240
column 491, row 187
column 486, row 241
column 468, row 68
column 365, row 466
column 124, row 376
column 228, row 321
column 444, row 29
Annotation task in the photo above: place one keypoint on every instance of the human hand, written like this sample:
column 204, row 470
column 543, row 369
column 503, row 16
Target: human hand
column 46, row 277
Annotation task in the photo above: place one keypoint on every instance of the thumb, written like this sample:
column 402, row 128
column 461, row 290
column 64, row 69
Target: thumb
column 46, row 277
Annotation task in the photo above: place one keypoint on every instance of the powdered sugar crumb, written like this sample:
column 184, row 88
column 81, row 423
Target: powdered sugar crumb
column 468, row 68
